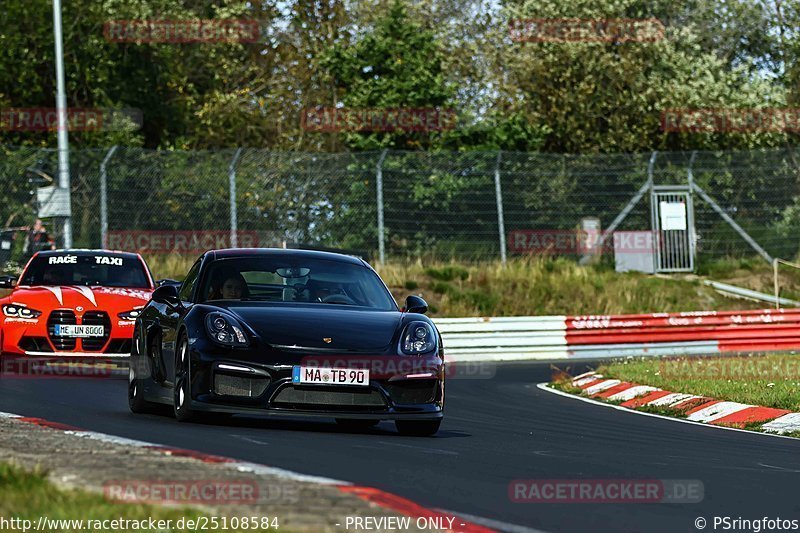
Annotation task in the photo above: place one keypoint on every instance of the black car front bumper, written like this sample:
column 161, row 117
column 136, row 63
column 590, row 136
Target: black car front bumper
column 231, row 382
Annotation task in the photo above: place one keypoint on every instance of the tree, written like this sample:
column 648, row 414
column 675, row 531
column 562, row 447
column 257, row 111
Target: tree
column 397, row 65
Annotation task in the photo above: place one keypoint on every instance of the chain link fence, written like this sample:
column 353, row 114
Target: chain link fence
column 396, row 204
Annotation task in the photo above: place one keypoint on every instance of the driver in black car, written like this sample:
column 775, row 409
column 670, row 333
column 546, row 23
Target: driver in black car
column 229, row 287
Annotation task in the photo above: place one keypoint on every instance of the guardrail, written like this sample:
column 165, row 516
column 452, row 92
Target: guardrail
column 656, row 334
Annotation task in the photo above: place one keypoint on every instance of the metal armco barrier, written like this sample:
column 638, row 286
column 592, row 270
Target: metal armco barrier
column 656, row 334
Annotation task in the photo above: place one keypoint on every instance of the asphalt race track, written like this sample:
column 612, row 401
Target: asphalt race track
column 495, row 431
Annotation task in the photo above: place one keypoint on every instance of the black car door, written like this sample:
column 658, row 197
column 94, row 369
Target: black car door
column 171, row 318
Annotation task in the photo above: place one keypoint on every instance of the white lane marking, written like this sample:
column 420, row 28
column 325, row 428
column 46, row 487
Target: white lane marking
column 671, row 399
column 780, row 468
column 633, row 392
column 544, row 387
column 248, row 439
column 111, row 439
column 420, row 448
column 603, row 385
column 583, row 381
column 57, row 293
column 585, row 374
column 491, row 523
column 783, row 424
column 284, row 474
column 717, row 411
column 87, row 293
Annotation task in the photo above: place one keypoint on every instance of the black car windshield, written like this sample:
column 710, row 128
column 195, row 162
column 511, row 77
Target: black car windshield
column 105, row 270
column 290, row 280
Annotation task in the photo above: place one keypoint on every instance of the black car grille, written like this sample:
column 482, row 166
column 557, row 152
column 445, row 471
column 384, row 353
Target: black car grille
column 246, row 387
column 296, row 397
column 96, row 318
column 412, row 391
column 60, row 317
column 34, row 344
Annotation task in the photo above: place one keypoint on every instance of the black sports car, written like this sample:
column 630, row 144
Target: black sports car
column 288, row 332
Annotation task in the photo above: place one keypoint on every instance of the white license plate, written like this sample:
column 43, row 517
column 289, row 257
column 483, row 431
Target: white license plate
column 330, row 376
column 71, row 330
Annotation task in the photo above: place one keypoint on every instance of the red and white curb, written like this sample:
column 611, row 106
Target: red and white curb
column 696, row 408
column 386, row 500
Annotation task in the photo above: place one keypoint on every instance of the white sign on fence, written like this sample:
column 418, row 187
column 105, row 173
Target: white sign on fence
column 673, row 216
column 53, row 202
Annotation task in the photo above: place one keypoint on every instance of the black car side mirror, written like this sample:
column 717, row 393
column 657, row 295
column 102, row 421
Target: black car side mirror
column 167, row 294
column 415, row 304
column 167, row 281
column 7, row 282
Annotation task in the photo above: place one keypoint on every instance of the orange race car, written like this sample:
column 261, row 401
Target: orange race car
column 74, row 303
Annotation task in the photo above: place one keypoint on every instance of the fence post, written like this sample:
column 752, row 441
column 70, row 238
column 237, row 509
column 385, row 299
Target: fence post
column 379, row 192
column 609, row 232
column 104, row 198
column 232, row 192
column 501, row 226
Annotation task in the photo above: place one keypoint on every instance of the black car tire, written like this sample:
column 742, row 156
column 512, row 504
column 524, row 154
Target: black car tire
column 136, row 401
column 182, row 389
column 355, row 424
column 418, row 428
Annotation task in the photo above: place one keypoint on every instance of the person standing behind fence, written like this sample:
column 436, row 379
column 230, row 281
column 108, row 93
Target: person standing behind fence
column 37, row 239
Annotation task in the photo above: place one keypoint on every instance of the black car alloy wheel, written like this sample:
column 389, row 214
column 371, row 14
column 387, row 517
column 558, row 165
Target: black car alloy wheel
column 182, row 396
column 138, row 369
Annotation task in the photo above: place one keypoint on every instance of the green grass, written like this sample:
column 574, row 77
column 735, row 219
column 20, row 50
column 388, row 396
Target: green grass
column 537, row 286
column 29, row 495
column 769, row 380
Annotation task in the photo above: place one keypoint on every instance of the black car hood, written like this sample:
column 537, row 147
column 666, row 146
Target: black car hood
column 308, row 326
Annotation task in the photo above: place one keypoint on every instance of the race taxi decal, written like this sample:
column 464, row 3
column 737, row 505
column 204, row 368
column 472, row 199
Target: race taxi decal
column 63, row 260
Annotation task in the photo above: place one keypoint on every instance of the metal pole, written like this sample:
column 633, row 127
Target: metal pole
column 61, row 112
column 232, row 192
column 732, row 223
column 379, row 187
column 690, row 213
column 625, row 212
column 655, row 223
column 501, row 226
column 104, row 198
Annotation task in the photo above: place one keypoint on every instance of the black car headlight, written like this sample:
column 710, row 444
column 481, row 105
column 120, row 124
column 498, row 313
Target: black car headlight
column 224, row 329
column 20, row 311
column 133, row 314
column 418, row 337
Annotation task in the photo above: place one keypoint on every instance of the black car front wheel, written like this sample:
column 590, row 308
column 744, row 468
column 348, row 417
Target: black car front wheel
column 418, row 428
column 139, row 368
column 182, row 388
